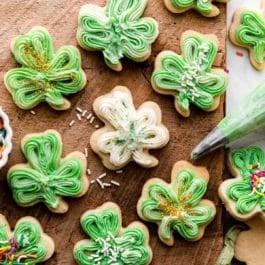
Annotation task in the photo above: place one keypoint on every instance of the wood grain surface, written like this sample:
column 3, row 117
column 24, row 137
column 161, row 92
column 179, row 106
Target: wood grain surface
column 60, row 18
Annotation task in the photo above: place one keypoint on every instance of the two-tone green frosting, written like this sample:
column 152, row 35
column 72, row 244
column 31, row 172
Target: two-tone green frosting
column 44, row 76
column 248, row 189
column 205, row 7
column 47, row 178
column 25, row 246
column 190, row 76
column 109, row 243
column 177, row 206
column 117, row 30
column 251, row 33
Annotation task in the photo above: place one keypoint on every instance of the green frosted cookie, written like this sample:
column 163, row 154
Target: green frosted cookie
column 26, row 245
column 178, row 206
column 47, row 177
column 109, row 242
column 117, row 30
column 44, row 76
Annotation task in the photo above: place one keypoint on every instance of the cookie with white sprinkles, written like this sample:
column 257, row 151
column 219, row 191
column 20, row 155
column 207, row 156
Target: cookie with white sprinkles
column 109, row 242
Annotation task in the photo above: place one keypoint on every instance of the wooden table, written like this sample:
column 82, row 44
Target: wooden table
column 60, row 18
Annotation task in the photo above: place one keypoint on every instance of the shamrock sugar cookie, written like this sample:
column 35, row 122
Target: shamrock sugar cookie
column 244, row 195
column 178, row 206
column 44, row 76
column 190, row 77
column 205, row 7
column 128, row 134
column 109, row 242
column 248, row 31
column 27, row 244
column 250, row 244
column 5, row 138
column 47, row 177
column 117, row 30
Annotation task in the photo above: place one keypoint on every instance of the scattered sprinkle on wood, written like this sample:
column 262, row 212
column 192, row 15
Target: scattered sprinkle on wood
column 79, row 109
column 71, row 123
column 92, row 120
column 100, row 183
column 86, row 152
column 102, row 175
column 119, row 171
column 116, row 183
column 96, row 126
column 89, row 116
column 32, row 112
column 79, row 117
column 84, row 113
column 239, row 53
column 104, row 184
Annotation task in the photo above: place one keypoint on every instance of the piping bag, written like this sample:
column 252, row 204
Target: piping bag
column 247, row 117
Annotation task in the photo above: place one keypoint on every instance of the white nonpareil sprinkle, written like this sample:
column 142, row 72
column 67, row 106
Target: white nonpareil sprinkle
column 96, row 126
column 102, row 176
column 88, row 171
column 112, row 249
column 32, row 112
column 86, row 152
column 115, row 183
column 78, row 109
column 89, row 116
column 84, row 113
column 119, row 171
column 100, row 183
column 92, row 181
column 71, row 123
column 92, row 120
column 79, row 117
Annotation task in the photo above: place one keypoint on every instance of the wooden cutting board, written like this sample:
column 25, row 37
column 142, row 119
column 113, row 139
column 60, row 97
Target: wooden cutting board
column 60, row 18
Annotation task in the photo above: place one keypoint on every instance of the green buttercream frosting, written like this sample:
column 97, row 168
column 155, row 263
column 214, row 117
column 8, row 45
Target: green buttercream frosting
column 44, row 76
column 177, row 206
column 248, row 190
column 247, row 117
column 25, row 246
column 117, row 30
column 190, row 76
column 46, row 178
column 202, row 6
column 251, row 33
column 109, row 243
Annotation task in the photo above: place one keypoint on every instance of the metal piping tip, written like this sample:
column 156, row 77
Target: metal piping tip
column 215, row 139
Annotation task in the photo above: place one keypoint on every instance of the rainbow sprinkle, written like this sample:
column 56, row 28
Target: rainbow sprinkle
column 2, row 137
column 10, row 254
column 258, row 181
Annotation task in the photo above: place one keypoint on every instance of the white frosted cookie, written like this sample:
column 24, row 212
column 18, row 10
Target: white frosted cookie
column 128, row 134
